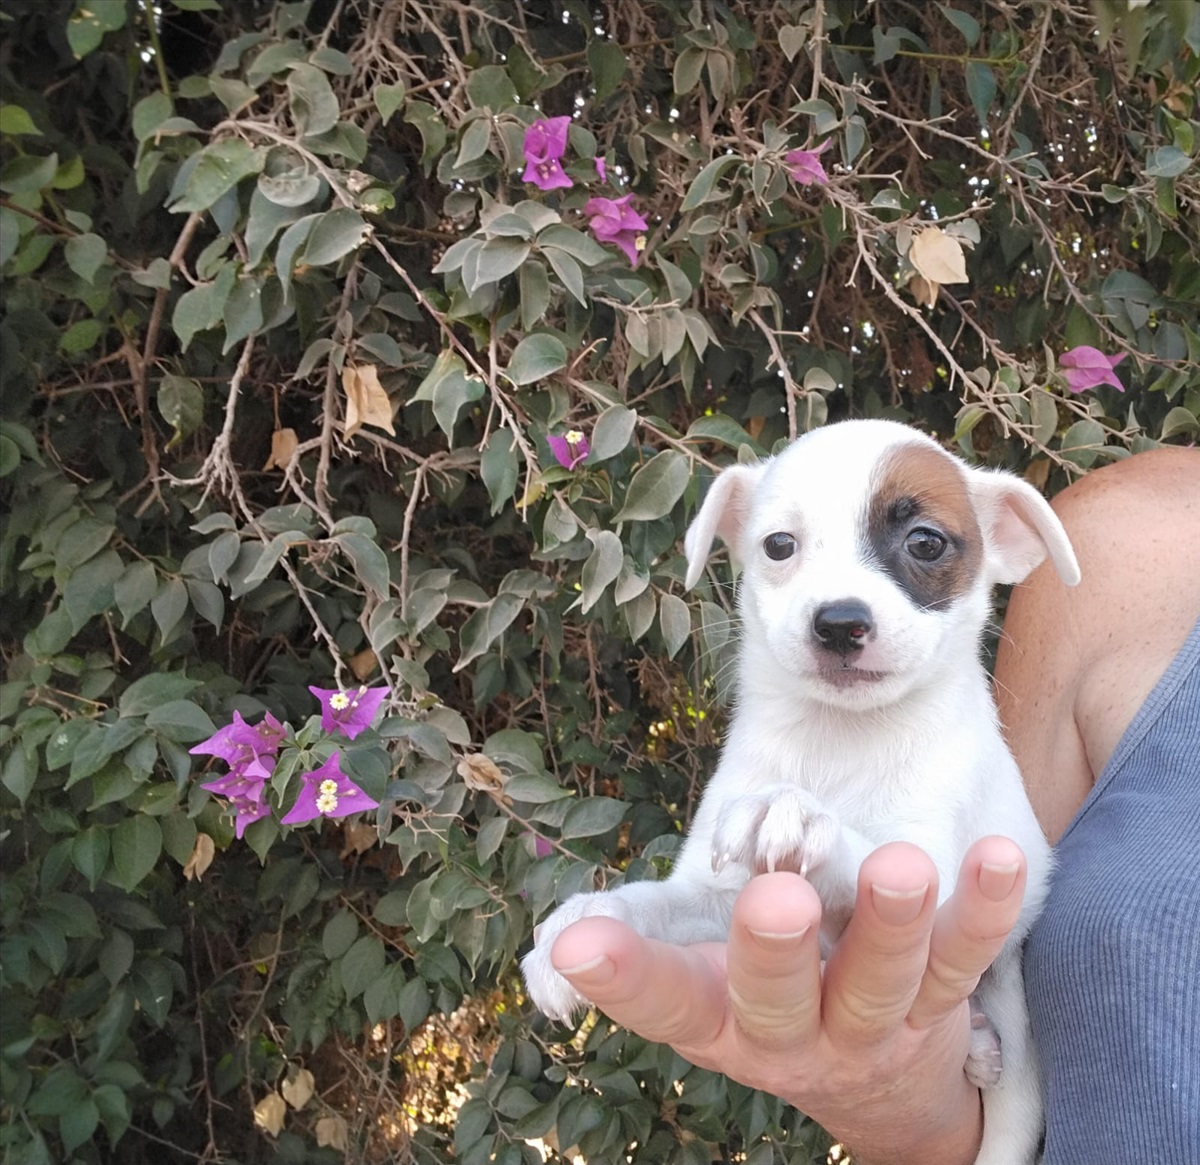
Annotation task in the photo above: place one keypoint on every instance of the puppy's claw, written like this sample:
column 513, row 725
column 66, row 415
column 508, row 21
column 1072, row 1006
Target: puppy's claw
column 719, row 861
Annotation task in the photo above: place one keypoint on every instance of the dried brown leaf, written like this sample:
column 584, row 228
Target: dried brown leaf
column 202, row 856
column 481, row 773
column 366, row 401
column 298, row 1088
column 333, row 1133
column 923, row 291
column 938, row 256
column 269, row 1113
column 283, row 445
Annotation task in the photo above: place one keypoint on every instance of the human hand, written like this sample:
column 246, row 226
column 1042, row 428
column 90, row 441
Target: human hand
column 873, row 1046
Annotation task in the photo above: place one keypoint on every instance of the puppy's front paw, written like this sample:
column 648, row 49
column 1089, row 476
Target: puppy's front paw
column 780, row 828
column 550, row 992
column 985, row 1061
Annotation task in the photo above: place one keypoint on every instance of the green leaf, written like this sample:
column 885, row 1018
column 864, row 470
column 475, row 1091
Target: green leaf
column 81, row 541
column 28, row 174
column 180, row 721
column 370, row 562
column 592, row 816
column 89, row 852
column 686, row 74
column 449, row 388
column 493, row 261
column 491, row 87
column 134, row 589
column 218, row 169
column 534, row 286
column 981, row 85
column 579, row 246
column 675, row 622
column 535, row 358
column 150, row 113
column 15, row 121
column 966, row 24
column 388, row 98
column 153, row 690
column 702, row 186
column 1082, row 442
column 612, row 432
column 1179, row 420
column 81, row 336
column 602, row 567
column 475, row 141
column 656, row 487
column 335, row 233
column 136, row 846
column 168, row 605
column 313, row 104
column 606, row 59
column 568, row 272
column 89, row 590
column 1167, row 162
column 724, row 430
column 90, row 21
column 500, row 468
column 363, row 963
column 84, row 255
column 340, row 932
column 180, row 403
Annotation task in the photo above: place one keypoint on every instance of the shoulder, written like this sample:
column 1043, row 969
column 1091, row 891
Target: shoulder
column 1076, row 664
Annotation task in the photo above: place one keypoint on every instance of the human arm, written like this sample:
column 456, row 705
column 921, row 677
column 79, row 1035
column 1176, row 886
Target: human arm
column 874, row 1049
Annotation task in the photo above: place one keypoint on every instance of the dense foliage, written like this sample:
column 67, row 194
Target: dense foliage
column 391, row 344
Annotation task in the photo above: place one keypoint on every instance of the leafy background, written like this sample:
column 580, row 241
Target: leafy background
column 284, row 335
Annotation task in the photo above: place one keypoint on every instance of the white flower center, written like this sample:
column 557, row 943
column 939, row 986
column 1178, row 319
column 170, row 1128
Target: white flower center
column 339, row 701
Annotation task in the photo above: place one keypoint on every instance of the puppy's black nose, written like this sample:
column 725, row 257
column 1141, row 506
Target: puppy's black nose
column 843, row 627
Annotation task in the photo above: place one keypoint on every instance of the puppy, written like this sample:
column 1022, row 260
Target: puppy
column 864, row 714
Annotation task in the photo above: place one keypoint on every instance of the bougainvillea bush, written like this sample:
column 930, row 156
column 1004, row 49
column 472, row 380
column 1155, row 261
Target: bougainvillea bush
column 361, row 365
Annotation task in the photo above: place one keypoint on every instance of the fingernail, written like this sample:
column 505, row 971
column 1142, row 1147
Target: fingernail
column 997, row 882
column 772, row 938
column 595, row 972
column 899, row 907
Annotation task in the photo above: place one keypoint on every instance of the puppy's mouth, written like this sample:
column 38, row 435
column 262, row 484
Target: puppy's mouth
column 843, row 674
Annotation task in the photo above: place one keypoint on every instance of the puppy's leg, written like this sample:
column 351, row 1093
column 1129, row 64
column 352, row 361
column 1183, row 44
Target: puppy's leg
column 1013, row 1110
column 784, row 827
column 683, row 909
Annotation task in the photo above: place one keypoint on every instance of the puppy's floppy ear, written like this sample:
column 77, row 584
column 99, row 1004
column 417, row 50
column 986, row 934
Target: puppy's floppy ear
column 1019, row 528
column 723, row 513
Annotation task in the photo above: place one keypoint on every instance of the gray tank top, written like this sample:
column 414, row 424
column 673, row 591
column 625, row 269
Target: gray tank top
column 1112, row 967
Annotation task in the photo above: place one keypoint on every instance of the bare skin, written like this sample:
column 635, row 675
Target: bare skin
column 874, row 1048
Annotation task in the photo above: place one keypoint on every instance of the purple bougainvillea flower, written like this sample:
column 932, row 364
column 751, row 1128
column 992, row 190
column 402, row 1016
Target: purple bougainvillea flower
column 238, row 742
column 805, row 165
column 244, row 787
column 601, row 168
column 1088, row 367
column 613, row 220
column 569, row 449
column 545, row 144
column 546, row 138
column 348, row 712
column 546, row 175
column 328, row 792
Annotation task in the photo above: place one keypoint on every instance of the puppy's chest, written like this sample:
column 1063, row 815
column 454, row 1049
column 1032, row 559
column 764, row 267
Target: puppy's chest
column 871, row 778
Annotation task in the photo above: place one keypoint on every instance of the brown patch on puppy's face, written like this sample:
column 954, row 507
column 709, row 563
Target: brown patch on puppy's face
column 921, row 528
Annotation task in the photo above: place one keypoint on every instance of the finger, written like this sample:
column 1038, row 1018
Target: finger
column 773, row 962
column 665, row 993
column 875, row 970
column 971, row 927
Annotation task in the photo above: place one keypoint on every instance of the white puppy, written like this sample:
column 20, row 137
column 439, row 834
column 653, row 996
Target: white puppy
column 864, row 714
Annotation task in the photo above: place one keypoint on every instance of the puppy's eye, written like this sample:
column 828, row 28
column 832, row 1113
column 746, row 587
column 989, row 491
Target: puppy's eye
column 779, row 546
column 925, row 545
